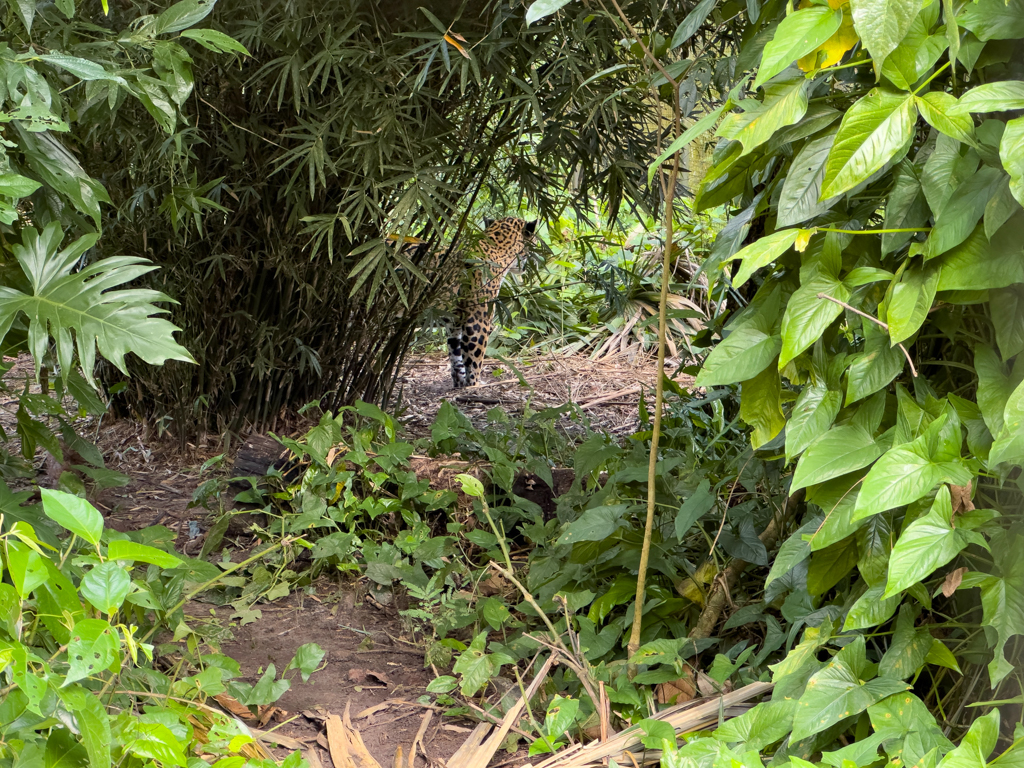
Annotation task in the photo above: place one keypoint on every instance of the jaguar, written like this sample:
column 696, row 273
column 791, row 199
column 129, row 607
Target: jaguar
column 471, row 323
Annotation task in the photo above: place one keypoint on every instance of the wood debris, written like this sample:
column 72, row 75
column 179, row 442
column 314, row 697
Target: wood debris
column 627, row 749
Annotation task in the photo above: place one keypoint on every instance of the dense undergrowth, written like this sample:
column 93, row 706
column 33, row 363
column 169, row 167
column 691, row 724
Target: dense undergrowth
column 794, row 618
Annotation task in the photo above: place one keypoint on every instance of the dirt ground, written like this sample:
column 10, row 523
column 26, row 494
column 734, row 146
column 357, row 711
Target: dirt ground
column 370, row 667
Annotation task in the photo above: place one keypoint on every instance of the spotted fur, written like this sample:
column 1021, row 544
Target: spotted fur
column 503, row 244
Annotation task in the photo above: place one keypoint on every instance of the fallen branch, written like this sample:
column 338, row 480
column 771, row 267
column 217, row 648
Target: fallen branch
column 684, row 718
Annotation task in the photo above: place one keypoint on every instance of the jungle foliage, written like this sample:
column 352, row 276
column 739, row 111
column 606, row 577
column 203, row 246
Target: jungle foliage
column 80, row 604
column 871, row 157
column 280, row 204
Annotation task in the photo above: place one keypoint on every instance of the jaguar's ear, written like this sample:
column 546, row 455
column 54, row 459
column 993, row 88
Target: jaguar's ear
column 530, row 227
column 487, row 223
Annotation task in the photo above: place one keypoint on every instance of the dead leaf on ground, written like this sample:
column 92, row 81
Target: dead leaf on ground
column 369, row 676
column 952, row 581
column 346, row 745
column 493, row 585
column 234, row 706
column 707, row 687
column 676, row 691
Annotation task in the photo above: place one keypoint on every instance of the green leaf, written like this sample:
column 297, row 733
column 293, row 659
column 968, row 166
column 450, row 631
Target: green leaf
column 1002, row 96
column 808, row 316
column 595, row 524
column 905, row 208
column 875, row 367
column 802, row 185
column 62, row 300
column 994, row 19
column 979, row 264
column 541, row 8
column 763, row 252
column 995, row 386
column 1002, row 600
column 911, row 300
column 696, row 506
column 977, row 745
column 154, row 741
column 928, row 543
column 815, row 409
column 870, row 610
column 83, row 69
column 793, row 551
column 27, row 568
column 13, row 185
column 688, row 27
column 765, row 724
column 1011, row 152
column 702, row 126
column 106, row 586
column 740, row 356
column 873, row 130
column 74, row 514
column 785, row 102
column 92, row 649
column 941, row 656
column 1000, row 208
column 839, row 451
column 909, row 648
column 838, row 692
column 907, row 472
column 471, row 486
column 829, row 565
column 306, row 659
column 882, row 24
column 946, row 168
column 215, row 41
column 121, row 549
column 560, row 716
column 93, row 723
column 915, row 55
column 797, row 35
column 1008, row 445
column 267, row 689
column 761, row 406
column 955, row 222
column 182, row 15
column 64, row 751
column 495, row 613
column 442, row 684
column 942, row 112
column 475, row 666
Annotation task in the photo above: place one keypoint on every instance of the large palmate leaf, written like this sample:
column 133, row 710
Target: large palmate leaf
column 59, row 302
column 872, row 132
